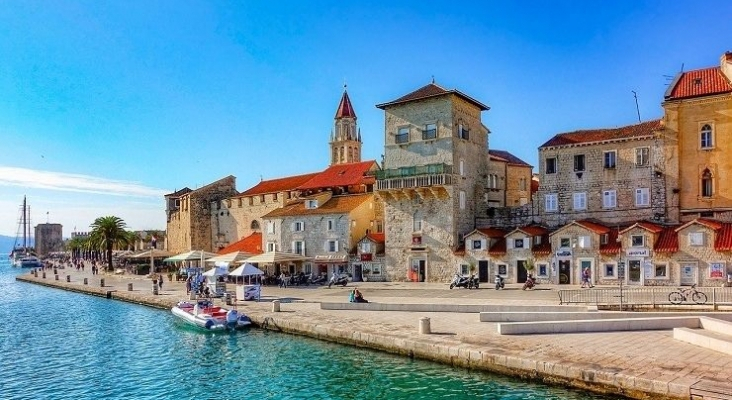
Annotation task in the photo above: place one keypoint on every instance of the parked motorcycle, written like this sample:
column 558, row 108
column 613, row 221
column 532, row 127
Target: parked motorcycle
column 499, row 282
column 316, row 279
column 464, row 281
column 473, row 282
column 529, row 284
column 338, row 280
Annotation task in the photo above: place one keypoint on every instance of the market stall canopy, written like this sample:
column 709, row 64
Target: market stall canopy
column 230, row 258
column 152, row 253
column 196, row 255
column 217, row 271
column 275, row 257
column 246, row 270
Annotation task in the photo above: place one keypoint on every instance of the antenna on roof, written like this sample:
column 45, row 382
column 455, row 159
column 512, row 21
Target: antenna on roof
column 682, row 67
column 433, row 79
column 636, row 105
column 260, row 178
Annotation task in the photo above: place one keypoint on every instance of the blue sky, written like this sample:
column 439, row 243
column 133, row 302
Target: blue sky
column 106, row 106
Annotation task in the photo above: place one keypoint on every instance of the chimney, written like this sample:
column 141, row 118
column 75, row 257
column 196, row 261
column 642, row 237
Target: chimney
column 726, row 65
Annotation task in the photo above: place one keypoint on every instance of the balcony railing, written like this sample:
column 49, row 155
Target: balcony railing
column 429, row 134
column 416, row 176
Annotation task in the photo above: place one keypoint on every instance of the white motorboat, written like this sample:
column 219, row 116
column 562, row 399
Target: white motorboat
column 204, row 314
column 30, row 262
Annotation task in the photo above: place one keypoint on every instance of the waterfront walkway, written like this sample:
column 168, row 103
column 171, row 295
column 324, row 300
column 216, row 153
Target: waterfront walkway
column 637, row 364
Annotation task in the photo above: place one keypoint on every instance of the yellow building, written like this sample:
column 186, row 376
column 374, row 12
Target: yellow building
column 698, row 112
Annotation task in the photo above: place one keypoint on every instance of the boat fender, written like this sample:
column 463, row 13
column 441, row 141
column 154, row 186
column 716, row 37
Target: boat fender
column 209, row 324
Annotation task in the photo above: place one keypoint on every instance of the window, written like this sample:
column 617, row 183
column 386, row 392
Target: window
column 660, row 270
column 331, row 224
column 271, row 246
column 580, row 201
column 642, row 197
column 298, row 247
column 308, row 269
column 493, row 181
column 706, row 184
column 551, row 166
column 706, row 137
column 604, row 238
column 310, row 204
column 332, row 246
column 579, row 162
column 518, row 243
column 502, row 269
column 609, row 199
column 584, row 242
column 402, row 136
column 254, row 225
column 609, row 159
column 251, row 201
column 564, row 242
column 270, row 227
column 696, row 239
column 609, row 270
column 274, row 196
column 641, row 156
column 477, row 245
column 462, row 200
column 298, row 226
column 261, row 198
column 463, row 132
column 636, row 241
column 417, row 222
column 462, row 167
column 542, row 268
column 550, row 202
column 429, row 132
column 537, row 240
column 522, row 183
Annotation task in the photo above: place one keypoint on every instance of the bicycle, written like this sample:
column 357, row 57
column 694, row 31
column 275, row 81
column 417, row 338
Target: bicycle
column 683, row 294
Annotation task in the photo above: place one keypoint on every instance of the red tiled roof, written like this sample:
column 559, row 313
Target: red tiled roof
column 460, row 251
column 709, row 223
column 533, row 230
column 431, row 90
column 599, row 135
column 612, row 246
column 543, row 248
column 697, row 83
column 723, row 242
column 377, row 237
column 250, row 244
column 492, row 232
column 336, row 205
column 341, row 175
column 649, row 226
column 278, row 185
column 508, row 157
column 593, row 226
column 498, row 248
column 668, row 241
column 345, row 109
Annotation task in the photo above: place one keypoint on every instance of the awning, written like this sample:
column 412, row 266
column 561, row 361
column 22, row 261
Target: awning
column 331, row 258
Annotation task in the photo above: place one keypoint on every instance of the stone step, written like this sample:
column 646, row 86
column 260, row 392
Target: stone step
column 602, row 325
column 455, row 308
column 518, row 316
column 703, row 338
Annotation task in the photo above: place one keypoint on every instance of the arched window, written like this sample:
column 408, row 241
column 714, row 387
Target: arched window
column 707, row 188
column 255, row 225
column 342, row 154
column 706, row 137
column 417, row 222
column 350, row 154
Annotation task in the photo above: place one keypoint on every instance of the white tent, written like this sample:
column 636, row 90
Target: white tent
column 216, row 271
column 246, row 270
column 196, row 255
column 229, row 258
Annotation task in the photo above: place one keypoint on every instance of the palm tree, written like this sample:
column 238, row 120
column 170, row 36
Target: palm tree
column 108, row 232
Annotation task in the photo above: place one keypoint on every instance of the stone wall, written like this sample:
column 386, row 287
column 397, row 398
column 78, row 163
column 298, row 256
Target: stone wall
column 243, row 216
column 48, row 238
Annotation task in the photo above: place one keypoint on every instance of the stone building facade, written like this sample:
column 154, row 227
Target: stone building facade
column 509, row 180
column 698, row 113
column 617, row 175
column 48, row 238
column 189, row 215
column 435, row 164
column 345, row 139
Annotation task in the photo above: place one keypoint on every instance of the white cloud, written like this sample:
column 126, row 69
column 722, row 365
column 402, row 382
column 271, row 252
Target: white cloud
column 37, row 179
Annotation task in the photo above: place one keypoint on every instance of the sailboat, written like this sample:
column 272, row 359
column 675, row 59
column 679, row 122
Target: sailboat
column 23, row 256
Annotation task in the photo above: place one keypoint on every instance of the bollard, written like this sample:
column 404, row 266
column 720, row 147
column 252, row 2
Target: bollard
column 56, row 276
column 55, row 272
column 101, row 282
column 44, row 275
column 68, row 278
column 155, row 287
column 227, row 299
column 86, row 281
column 129, row 287
column 424, row 326
column 275, row 306
column 35, row 273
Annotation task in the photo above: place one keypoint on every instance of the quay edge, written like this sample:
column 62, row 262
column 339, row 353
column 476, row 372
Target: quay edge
column 589, row 377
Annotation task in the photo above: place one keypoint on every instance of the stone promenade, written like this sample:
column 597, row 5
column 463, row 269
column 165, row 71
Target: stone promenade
column 636, row 364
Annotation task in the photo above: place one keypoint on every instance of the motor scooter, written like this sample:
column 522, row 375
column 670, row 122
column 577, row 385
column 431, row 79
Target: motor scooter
column 341, row 279
column 316, row 279
column 473, row 282
column 499, row 282
column 529, row 284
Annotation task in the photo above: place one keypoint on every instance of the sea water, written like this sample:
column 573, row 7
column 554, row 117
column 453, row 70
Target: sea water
column 56, row 344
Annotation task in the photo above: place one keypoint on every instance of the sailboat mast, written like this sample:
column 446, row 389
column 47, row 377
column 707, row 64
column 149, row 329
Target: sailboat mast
column 25, row 244
column 28, row 224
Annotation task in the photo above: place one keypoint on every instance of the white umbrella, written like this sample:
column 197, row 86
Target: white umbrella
column 190, row 256
column 154, row 253
column 217, row 271
column 273, row 257
column 228, row 258
column 246, row 270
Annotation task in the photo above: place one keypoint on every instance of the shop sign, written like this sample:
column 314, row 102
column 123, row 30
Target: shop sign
column 366, row 257
column 564, row 253
column 638, row 252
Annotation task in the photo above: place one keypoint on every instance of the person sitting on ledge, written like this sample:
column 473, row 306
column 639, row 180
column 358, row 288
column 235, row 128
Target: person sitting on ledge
column 357, row 297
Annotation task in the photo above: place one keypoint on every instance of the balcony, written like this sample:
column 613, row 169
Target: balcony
column 414, row 177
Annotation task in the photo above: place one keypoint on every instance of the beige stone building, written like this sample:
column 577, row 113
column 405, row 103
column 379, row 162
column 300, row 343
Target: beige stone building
column 509, row 180
column 698, row 114
column 618, row 176
column 48, row 238
column 435, row 164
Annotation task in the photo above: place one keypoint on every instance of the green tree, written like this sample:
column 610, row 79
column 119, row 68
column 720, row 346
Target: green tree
column 108, row 233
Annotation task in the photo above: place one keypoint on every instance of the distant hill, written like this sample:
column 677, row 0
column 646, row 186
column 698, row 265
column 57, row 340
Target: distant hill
column 6, row 244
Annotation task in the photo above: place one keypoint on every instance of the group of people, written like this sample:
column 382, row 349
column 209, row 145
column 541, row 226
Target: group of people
column 357, row 297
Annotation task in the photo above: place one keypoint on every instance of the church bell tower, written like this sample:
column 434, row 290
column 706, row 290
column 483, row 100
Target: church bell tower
column 345, row 139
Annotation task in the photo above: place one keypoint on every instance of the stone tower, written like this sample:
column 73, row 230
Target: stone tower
column 345, row 139
column 435, row 168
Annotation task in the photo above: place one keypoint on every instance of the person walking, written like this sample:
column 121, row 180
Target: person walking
column 586, row 279
column 160, row 281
